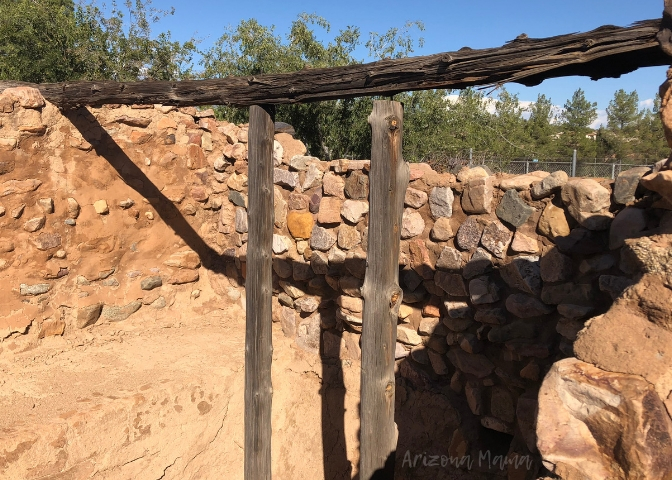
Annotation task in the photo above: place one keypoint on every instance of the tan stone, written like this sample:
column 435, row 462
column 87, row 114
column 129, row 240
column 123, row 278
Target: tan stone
column 598, row 424
column 101, row 208
column 553, row 222
column 330, row 210
column 660, row 182
column 477, row 195
column 51, row 328
column 180, row 277
column 290, row 146
column 300, row 224
column 520, row 182
column 524, row 244
column 185, row 259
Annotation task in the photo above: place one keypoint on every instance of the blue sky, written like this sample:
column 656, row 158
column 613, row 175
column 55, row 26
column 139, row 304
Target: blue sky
column 449, row 25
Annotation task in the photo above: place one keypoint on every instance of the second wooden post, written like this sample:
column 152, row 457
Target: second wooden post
column 388, row 179
column 259, row 291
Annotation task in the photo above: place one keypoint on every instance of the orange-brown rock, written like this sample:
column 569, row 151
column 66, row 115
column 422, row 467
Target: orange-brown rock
column 300, row 224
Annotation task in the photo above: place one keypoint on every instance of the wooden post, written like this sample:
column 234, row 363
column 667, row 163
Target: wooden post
column 388, row 180
column 258, row 290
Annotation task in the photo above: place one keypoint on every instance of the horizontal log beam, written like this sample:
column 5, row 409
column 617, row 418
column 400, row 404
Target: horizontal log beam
column 608, row 51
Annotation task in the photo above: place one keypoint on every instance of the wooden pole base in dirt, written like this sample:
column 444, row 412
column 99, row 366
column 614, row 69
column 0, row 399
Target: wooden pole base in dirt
column 258, row 291
column 388, row 180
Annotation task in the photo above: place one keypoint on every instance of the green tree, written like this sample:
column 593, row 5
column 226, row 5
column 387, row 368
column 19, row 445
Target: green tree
column 540, row 126
column 58, row 40
column 576, row 118
column 330, row 129
column 623, row 111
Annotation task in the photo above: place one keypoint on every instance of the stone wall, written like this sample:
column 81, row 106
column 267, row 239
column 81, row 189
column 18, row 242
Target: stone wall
column 107, row 212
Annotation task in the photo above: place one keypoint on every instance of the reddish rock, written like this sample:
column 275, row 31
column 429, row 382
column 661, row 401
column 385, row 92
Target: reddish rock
column 477, row 195
column 330, row 210
column 51, row 328
column 195, row 157
column 180, row 277
column 496, row 238
column 300, row 224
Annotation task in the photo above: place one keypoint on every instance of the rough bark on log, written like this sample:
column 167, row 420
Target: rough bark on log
column 389, row 178
column 258, row 291
column 608, row 51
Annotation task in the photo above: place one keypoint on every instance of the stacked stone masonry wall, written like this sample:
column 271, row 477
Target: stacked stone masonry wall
column 104, row 212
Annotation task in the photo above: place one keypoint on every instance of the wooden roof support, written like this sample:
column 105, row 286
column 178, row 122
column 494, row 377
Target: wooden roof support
column 605, row 52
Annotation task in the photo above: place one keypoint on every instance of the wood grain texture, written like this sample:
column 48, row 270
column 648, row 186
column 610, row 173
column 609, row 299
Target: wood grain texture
column 258, row 291
column 608, row 51
column 389, row 178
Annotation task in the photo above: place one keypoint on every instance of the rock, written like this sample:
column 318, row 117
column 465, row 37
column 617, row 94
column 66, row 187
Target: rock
column 513, row 210
column 437, row 362
column 184, row 259
column 237, row 182
column 279, row 208
column 573, row 312
column 496, row 239
column 530, row 371
column 628, row 223
column 469, row 234
column 569, row 328
column 474, row 396
column 580, row 293
column 18, row 211
column 330, row 210
column 501, row 404
column 46, row 204
column 659, row 182
column 313, row 177
column 32, row 290
column 442, row 230
column 34, row 224
column 47, row 241
column 521, row 182
column 309, row 334
column 626, row 184
column 286, row 317
column 26, row 97
column 150, row 283
column 241, row 220
column 582, row 241
column 72, row 208
column 285, row 178
column 298, row 201
column 553, row 222
column 51, row 328
column 321, row 239
column 555, row 266
column 496, row 424
column 353, row 210
column 314, row 202
column 523, row 273
column 449, row 259
column 597, row 264
column 415, row 198
column 19, row 186
column 491, row 316
column 291, row 147
column 183, row 276
column 477, row 195
column 6, row 245
column 482, row 291
column 451, row 283
column 357, row 186
column 549, row 184
column 125, row 204
column 348, row 237
column 588, row 202
column 408, row 336
column 101, row 208
column 614, row 285
column 441, row 202
column 428, row 326
column 278, row 153
column 237, row 198
column 307, row 304
column 88, row 315
column 117, row 314
column 609, row 435
column 457, row 309
column 479, row 263
column 477, row 365
column 524, row 306
column 300, row 224
column 281, row 244
column 333, row 185
column 302, row 162
column 412, row 224
column 467, row 174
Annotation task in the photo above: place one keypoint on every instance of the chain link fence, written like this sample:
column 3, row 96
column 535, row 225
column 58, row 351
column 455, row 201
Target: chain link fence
column 576, row 168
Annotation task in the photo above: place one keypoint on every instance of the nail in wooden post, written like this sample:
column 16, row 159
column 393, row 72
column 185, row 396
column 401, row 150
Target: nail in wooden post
column 388, row 180
column 258, row 291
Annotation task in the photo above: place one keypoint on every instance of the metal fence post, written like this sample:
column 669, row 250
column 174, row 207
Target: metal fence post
column 613, row 171
column 527, row 167
column 471, row 154
column 574, row 164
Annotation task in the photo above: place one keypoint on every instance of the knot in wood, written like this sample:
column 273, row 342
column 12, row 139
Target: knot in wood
column 393, row 299
column 392, row 122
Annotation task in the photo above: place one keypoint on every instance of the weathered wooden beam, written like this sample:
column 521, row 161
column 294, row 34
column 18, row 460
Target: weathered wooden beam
column 258, row 291
column 608, row 51
column 382, row 296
